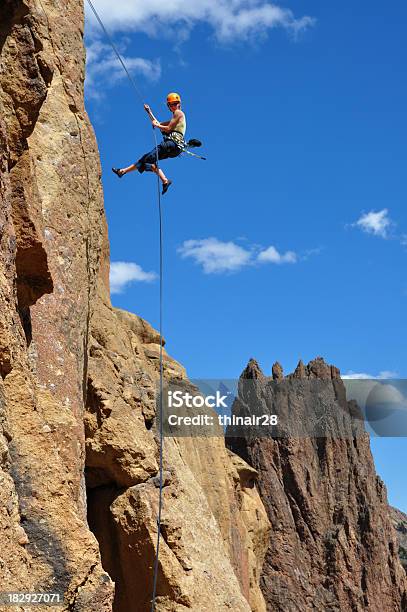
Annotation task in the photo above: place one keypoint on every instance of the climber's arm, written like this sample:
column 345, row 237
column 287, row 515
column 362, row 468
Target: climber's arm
column 150, row 113
column 169, row 126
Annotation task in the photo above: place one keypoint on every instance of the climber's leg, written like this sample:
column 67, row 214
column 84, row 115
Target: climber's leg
column 146, row 163
column 153, row 168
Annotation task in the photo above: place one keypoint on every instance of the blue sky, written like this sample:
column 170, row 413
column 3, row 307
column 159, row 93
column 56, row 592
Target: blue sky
column 290, row 240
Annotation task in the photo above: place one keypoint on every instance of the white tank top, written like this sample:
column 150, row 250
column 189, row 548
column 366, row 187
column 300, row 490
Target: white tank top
column 181, row 125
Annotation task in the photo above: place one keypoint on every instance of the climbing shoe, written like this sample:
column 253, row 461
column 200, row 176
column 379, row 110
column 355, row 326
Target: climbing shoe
column 165, row 186
column 119, row 172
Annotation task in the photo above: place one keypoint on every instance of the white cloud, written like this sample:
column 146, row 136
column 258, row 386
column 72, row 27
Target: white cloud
column 311, row 252
column 229, row 19
column 376, row 223
column 103, row 69
column 271, row 255
column 384, row 375
column 216, row 256
column 123, row 272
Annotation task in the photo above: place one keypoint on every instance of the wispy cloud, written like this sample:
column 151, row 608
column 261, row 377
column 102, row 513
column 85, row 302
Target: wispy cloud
column 377, row 223
column 229, row 19
column 104, row 71
column 216, row 256
column 271, row 255
column 384, row 375
column 308, row 253
column 122, row 273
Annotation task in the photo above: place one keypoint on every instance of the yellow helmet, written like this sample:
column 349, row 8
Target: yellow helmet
column 173, row 97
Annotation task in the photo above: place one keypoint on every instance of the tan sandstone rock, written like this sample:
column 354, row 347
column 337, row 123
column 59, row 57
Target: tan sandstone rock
column 52, row 231
column 214, row 524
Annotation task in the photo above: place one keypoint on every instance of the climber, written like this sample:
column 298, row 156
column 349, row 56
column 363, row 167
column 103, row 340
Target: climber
column 173, row 132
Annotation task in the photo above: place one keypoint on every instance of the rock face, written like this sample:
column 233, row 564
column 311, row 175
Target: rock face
column 399, row 520
column 52, row 237
column 214, row 524
column 78, row 379
column 332, row 545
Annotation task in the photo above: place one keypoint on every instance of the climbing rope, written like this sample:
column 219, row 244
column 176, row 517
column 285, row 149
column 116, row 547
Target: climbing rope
column 119, row 57
column 161, row 431
column 161, row 415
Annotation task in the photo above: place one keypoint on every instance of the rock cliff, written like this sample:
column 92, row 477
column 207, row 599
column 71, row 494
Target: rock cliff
column 52, row 237
column 399, row 520
column 332, row 544
column 78, row 379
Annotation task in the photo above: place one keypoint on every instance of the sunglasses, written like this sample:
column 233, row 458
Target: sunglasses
column 173, row 103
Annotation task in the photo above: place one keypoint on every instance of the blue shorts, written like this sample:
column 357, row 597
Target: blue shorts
column 166, row 149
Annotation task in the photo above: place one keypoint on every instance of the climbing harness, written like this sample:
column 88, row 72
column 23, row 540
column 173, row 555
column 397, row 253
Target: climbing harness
column 161, row 431
column 178, row 138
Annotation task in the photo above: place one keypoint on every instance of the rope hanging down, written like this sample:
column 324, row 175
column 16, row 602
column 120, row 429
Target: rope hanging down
column 161, row 436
